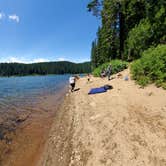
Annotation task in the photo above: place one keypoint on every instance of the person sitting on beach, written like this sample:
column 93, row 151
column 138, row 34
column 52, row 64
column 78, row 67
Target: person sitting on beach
column 103, row 73
column 72, row 81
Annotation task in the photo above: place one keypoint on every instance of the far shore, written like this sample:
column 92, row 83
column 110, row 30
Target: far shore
column 42, row 75
column 32, row 75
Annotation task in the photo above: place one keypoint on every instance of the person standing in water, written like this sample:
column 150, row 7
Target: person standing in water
column 72, row 81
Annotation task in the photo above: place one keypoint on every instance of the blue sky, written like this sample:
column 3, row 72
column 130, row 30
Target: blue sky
column 46, row 30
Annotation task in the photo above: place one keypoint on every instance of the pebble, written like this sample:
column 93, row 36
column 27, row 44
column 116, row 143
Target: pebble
column 149, row 93
column 108, row 162
column 95, row 117
column 93, row 104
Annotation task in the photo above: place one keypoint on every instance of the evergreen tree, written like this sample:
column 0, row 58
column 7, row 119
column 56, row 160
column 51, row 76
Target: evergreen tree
column 10, row 69
column 94, row 55
column 128, row 27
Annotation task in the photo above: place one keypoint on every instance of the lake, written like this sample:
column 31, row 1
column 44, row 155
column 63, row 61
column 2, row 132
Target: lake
column 28, row 106
column 20, row 91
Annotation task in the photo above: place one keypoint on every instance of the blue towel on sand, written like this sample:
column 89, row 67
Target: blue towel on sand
column 97, row 90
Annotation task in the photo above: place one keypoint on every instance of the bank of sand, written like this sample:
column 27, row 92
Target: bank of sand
column 125, row 126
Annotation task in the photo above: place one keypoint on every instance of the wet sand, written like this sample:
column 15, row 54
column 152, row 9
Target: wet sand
column 125, row 126
column 23, row 134
column 58, row 148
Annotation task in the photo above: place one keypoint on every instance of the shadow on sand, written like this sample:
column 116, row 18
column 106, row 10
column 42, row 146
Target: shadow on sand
column 76, row 89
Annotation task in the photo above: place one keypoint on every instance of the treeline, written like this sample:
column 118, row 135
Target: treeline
column 12, row 69
column 128, row 28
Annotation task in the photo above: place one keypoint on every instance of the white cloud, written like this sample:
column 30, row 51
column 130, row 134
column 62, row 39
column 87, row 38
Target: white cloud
column 2, row 15
column 17, row 59
column 40, row 60
column 23, row 60
column 14, row 59
column 61, row 59
column 14, row 17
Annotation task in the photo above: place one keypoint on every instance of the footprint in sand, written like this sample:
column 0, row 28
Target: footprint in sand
column 150, row 94
column 163, row 108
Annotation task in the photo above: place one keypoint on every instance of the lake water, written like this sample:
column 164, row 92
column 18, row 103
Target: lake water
column 28, row 106
column 16, row 92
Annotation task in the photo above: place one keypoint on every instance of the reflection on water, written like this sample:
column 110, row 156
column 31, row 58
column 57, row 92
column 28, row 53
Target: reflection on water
column 16, row 92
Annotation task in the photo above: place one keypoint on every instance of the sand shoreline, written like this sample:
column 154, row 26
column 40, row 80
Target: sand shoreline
column 58, row 147
column 124, row 126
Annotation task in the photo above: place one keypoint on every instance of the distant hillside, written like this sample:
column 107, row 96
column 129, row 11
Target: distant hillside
column 63, row 67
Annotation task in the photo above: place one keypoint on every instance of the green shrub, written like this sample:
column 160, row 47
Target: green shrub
column 117, row 66
column 151, row 67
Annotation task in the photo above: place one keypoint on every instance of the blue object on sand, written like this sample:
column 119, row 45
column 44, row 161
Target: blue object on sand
column 126, row 78
column 97, row 90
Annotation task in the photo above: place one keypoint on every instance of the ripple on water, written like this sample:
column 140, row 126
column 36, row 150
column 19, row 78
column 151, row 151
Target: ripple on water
column 16, row 92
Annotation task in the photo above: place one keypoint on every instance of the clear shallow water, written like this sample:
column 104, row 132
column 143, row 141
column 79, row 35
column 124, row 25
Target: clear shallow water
column 34, row 101
column 16, row 92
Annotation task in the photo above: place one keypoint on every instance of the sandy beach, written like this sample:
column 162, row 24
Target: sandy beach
column 126, row 126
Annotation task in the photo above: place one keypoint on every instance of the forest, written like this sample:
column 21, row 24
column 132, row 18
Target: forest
column 63, row 67
column 130, row 30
